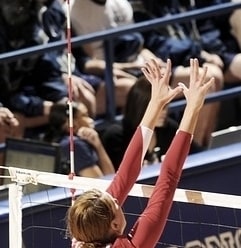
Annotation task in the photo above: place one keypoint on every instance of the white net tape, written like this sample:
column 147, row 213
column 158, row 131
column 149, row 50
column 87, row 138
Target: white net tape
column 25, row 176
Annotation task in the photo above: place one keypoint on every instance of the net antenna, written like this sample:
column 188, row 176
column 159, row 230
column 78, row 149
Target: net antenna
column 70, row 101
column 23, row 177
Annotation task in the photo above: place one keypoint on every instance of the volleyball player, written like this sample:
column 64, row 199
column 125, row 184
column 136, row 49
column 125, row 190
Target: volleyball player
column 96, row 218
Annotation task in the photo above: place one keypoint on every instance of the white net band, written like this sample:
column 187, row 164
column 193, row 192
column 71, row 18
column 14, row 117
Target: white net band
column 198, row 219
column 25, row 176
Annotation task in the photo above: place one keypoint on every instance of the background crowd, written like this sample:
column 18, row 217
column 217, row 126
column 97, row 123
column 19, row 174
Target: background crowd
column 34, row 90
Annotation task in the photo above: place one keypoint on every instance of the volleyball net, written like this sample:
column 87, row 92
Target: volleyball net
column 37, row 218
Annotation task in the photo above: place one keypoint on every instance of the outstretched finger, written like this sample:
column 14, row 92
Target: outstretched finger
column 148, row 70
column 167, row 73
column 147, row 74
column 152, row 70
column 183, row 86
column 156, row 69
column 203, row 76
column 196, row 70
column 191, row 70
column 208, row 84
column 174, row 92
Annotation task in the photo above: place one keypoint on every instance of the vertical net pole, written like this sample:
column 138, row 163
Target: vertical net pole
column 15, row 215
column 70, row 90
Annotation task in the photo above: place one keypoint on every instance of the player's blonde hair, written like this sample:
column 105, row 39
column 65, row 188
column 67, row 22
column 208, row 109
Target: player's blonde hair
column 89, row 219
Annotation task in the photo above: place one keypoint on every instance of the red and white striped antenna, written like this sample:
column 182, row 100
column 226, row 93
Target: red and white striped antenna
column 70, row 96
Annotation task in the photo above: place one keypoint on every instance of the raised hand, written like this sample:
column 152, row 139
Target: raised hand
column 90, row 135
column 7, row 118
column 159, row 78
column 198, row 88
column 161, row 93
column 195, row 96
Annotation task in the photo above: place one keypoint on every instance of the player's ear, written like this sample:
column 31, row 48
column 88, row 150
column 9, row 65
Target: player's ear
column 114, row 225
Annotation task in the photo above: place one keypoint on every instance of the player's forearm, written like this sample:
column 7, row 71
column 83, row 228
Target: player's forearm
column 189, row 120
column 152, row 113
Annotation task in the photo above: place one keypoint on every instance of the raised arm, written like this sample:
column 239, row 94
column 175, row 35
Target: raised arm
column 155, row 215
column 195, row 97
column 161, row 94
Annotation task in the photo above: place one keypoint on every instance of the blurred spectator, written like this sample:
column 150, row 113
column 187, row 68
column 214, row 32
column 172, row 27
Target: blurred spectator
column 234, row 21
column 106, row 14
column 53, row 20
column 8, row 126
column 166, row 42
column 208, row 39
column 128, row 52
column 170, row 41
column 90, row 157
column 8, row 123
column 214, row 35
column 88, row 83
column 29, row 86
column 116, row 138
column 103, row 15
column 94, row 70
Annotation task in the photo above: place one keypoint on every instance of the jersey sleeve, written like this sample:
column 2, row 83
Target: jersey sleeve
column 155, row 214
column 131, row 164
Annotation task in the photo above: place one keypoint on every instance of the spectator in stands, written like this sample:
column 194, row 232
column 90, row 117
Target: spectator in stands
column 207, row 38
column 53, row 20
column 95, row 69
column 117, row 137
column 170, row 41
column 96, row 219
column 29, row 86
column 8, row 123
column 103, row 15
column 8, row 126
column 128, row 51
column 129, row 55
column 89, row 83
column 107, row 14
column 214, row 35
column 234, row 22
column 90, row 157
